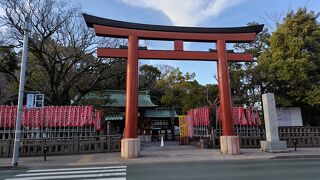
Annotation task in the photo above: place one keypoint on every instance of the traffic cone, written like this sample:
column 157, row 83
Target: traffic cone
column 162, row 143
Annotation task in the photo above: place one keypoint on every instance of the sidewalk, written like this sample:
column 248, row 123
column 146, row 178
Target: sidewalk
column 153, row 153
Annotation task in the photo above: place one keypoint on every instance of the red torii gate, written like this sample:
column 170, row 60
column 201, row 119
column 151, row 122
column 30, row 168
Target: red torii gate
column 130, row 145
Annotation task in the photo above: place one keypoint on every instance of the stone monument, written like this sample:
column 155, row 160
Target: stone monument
column 272, row 144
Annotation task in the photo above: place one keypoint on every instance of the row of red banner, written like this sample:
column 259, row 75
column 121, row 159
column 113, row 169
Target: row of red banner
column 242, row 116
column 200, row 116
column 52, row 116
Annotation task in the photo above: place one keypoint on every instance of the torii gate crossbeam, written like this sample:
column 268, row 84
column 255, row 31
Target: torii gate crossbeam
column 130, row 145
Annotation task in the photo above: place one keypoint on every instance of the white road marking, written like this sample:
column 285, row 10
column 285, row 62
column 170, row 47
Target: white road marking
column 100, row 173
column 120, row 178
column 70, row 176
column 72, row 172
column 74, row 169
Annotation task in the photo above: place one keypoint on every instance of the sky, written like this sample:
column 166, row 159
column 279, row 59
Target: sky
column 200, row 13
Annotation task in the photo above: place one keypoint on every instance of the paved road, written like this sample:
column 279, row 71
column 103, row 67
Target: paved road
column 293, row 169
column 230, row 170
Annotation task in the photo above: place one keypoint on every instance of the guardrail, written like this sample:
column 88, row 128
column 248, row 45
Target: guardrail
column 63, row 146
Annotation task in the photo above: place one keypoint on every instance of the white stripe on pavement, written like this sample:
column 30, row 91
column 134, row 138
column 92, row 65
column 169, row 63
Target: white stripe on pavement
column 74, row 169
column 120, row 178
column 72, row 172
column 70, row 176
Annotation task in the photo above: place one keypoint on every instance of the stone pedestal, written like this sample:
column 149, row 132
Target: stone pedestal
column 230, row 145
column 272, row 144
column 130, row 148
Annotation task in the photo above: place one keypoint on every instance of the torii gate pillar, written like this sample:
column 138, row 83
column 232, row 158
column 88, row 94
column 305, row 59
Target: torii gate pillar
column 130, row 144
column 229, row 143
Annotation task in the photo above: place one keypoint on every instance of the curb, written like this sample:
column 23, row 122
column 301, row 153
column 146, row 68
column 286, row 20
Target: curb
column 12, row 168
column 297, row 157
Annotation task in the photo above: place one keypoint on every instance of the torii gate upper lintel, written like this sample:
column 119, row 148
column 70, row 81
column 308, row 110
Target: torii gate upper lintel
column 130, row 145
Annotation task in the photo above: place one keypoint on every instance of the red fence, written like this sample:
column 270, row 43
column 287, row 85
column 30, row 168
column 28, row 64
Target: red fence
column 52, row 116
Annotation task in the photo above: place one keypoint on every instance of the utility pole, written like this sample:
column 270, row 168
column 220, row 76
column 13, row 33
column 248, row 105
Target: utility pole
column 172, row 117
column 27, row 30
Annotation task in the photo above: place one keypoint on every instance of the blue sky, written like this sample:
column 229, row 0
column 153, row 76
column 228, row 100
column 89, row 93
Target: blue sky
column 209, row 13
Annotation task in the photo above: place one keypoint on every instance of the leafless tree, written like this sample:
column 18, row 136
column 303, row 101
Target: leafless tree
column 62, row 62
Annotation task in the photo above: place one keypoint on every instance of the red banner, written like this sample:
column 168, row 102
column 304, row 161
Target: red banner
column 200, row 116
column 257, row 117
column 51, row 116
column 218, row 116
column 98, row 118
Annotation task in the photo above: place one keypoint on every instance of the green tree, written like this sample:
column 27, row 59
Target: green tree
column 8, row 63
column 293, row 59
column 292, row 63
column 8, row 67
column 181, row 91
column 149, row 75
column 247, row 81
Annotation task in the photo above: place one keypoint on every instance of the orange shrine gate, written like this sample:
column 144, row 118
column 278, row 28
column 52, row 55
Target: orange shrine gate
column 130, row 144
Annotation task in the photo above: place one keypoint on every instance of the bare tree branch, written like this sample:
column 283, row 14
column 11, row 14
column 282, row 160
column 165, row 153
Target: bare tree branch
column 62, row 60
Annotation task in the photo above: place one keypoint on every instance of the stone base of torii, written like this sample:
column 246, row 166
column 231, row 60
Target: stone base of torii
column 130, row 148
column 230, row 145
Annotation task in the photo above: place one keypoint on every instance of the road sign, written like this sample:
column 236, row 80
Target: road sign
column 30, row 101
column 39, row 101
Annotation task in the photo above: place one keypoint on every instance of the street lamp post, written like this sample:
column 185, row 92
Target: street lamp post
column 27, row 30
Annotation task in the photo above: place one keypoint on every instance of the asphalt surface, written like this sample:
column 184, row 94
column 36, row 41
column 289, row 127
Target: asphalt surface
column 293, row 169
column 9, row 172
column 274, row 169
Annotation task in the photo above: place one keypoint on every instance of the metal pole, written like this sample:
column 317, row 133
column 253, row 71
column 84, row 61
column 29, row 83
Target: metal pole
column 27, row 30
column 172, row 123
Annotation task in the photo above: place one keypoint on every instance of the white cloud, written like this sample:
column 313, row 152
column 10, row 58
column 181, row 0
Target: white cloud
column 159, row 63
column 186, row 12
